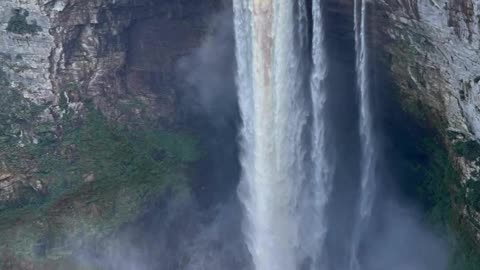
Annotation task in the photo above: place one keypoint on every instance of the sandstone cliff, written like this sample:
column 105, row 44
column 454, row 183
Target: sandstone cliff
column 76, row 76
column 118, row 55
column 432, row 49
column 59, row 59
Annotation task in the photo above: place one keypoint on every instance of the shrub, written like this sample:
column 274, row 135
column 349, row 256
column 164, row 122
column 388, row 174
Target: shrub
column 18, row 23
column 469, row 149
column 473, row 195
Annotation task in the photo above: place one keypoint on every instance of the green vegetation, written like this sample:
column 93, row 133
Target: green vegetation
column 18, row 23
column 436, row 176
column 473, row 194
column 468, row 149
column 3, row 79
column 429, row 175
column 15, row 113
column 441, row 193
column 99, row 175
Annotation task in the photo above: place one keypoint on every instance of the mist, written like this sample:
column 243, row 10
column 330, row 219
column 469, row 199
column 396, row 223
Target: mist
column 208, row 72
column 398, row 235
column 178, row 236
column 202, row 229
column 199, row 229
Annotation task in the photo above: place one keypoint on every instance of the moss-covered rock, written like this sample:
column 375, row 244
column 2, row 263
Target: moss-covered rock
column 18, row 23
column 473, row 194
column 468, row 149
column 99, row 175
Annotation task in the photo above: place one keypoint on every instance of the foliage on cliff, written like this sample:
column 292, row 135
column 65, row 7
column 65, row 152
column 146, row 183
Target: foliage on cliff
column 99, row 176
column 18, row 23
column 440, row 191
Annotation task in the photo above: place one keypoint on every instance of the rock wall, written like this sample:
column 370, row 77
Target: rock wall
column 432, row 48
column 120, row 56
column 103, row 51
column 61, row 62
column 57, row 57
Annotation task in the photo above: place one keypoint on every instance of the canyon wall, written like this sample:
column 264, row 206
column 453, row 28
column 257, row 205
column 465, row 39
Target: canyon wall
column 71, row 68
column 432, row 50
column 91, row 93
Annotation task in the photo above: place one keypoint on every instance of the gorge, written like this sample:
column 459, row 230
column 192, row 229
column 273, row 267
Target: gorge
column 239, row 134
column 289, row 173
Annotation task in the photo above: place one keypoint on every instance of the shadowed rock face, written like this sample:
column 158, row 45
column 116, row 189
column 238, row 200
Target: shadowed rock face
column 431, row 49
column 62, row 58
column 110, row 52
column 119, row 55
column 340, row 9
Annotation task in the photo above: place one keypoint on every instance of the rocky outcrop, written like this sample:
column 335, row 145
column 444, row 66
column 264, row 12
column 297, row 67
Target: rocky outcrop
column 433, row 50
column 25, row 56
column 120, row 56
column 61, row 63
column 105, row 51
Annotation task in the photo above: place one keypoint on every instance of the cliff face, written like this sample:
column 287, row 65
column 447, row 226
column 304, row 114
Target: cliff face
column 119, row 56
column 102, row 50
column 73, row 74
column 432, row 48
column 60, row 59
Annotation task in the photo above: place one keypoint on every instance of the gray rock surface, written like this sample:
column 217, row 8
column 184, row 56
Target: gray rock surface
column 118, row 55
column 434, row 50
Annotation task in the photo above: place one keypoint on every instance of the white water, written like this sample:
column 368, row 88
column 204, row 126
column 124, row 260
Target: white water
column 285, row 181
column 368, row 176
column 321, row 168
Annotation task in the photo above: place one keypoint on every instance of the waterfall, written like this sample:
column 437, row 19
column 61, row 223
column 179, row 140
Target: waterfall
column 285, row 175
column 322, row 185
column 367, row 190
